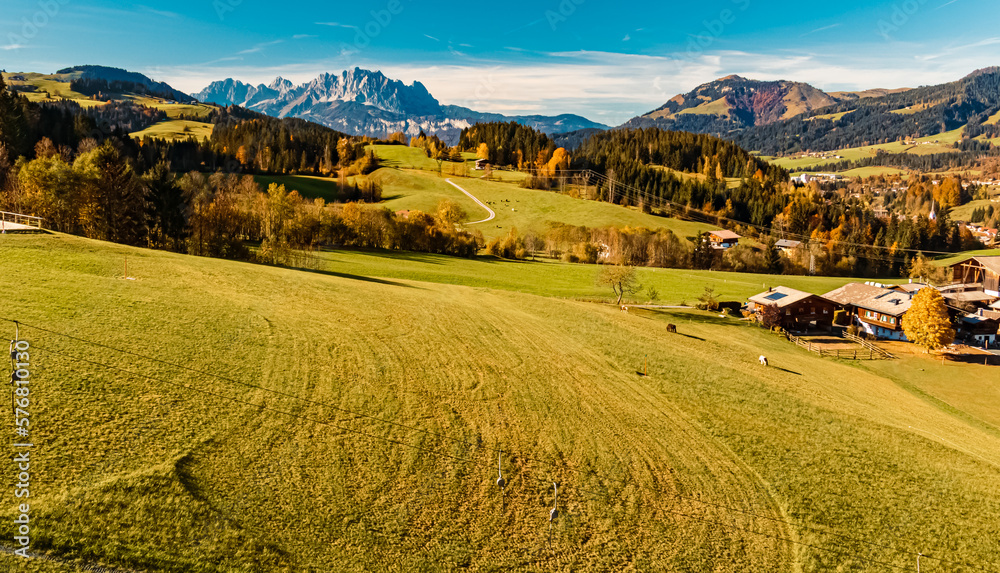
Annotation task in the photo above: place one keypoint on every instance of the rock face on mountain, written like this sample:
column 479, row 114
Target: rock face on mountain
column 734, row 102
column 362, row 102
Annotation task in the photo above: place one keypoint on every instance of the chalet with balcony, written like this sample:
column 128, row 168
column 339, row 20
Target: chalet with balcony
column 878, row 311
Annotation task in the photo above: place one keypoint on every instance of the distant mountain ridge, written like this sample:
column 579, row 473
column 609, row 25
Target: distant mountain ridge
column 362, row 102
column 110, row 74
column 775, row 117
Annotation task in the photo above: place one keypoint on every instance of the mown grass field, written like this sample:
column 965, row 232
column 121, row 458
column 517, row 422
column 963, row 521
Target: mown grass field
column 709, row 463
column 176, row 130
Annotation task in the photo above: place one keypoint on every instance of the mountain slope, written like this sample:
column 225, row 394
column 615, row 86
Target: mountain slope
column 737, row 102
column 110, row 75
column 788, row 117
column 362, row 102
column 899, row 115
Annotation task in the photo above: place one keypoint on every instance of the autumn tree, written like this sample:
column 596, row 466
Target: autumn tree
column 927, row 323
column 450, row 213
column 483, row 152
column 921, row 268
column 622, row 279
column 769, row 315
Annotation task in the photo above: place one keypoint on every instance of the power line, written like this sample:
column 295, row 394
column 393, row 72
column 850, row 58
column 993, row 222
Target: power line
column 426, row 450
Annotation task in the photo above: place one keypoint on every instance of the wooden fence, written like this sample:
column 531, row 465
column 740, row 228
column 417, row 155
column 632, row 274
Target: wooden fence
column 19, row 219
column 866, row 352
column 868, row 345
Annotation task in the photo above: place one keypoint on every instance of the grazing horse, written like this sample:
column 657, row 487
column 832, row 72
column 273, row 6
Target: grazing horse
column 763, row 360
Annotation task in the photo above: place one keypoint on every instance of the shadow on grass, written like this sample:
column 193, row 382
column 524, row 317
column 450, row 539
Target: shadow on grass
column 690, row 336
column 428, row 258
column 786, row 370
column 355, row 277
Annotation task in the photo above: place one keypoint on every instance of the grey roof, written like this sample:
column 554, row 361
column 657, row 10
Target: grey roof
column 971, row 296
column 869, row 297
column 781, row 296
column 787, row 244
column 910, row 287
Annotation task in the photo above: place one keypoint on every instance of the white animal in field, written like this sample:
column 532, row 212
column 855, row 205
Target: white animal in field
column 625, row 309
column 763, row 360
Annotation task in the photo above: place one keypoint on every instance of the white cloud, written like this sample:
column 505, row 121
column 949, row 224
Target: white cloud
column 610, row 87
column 12, row 47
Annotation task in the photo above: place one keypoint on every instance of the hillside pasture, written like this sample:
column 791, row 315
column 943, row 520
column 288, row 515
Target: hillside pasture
column 330, row 420
column 176, row 130
column 515, row 207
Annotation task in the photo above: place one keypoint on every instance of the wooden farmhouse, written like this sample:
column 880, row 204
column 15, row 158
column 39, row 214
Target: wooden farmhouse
column 800, row 311
column 723, row 239
column 878, row 311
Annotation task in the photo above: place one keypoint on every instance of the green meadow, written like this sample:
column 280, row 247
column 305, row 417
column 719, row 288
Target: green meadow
column 349, row 418
column 176, row 130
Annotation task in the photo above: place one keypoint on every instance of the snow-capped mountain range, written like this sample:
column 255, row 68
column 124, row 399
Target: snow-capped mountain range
column 362, row 102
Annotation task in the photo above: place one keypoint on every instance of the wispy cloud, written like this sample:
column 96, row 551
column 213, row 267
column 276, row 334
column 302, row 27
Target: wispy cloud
column 431, row 37
column 9, row 47
column 953, row 50
column 337, row 25
column 627, row 38
column 260, row 47
column 303, row 36
column 948, row 3
column 823, row 29
column 161, row 13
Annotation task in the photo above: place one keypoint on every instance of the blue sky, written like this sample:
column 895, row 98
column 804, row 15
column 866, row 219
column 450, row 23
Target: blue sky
column 606, row 60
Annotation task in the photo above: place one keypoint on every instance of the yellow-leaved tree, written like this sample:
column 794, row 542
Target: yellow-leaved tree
column 927, row 323
column 483, row 152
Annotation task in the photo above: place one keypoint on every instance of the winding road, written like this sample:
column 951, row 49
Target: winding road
column 478, row 202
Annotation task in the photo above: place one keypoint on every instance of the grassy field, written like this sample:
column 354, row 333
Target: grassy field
column 718, row 107
column 731, row 182
column 948, row 261
column 176, row 129
column 709, row 463
column 308, row 186
column 564, row 280
column 830, row 116
column 525, row 209
column 964, row 212
column 941, row 143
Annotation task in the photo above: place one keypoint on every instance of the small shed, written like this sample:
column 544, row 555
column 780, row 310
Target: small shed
column 787, row 245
